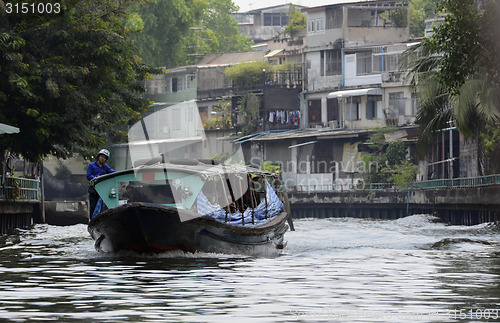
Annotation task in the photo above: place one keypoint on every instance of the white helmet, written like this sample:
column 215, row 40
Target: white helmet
column 104, row 152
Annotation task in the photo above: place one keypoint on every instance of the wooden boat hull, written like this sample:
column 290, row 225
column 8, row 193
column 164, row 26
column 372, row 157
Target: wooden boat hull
column 144, row 227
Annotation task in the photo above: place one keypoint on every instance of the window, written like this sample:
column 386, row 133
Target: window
column 268, row 19
column 333, row 62
column 332, row 109
column 364, row 63
column 189, row 79
column 371, row 106
column 352, row 108
column 315, row 25
column 391, row 62
column 177, row 84
column 180, row 82
column 310, row 26
column 174, row 84
column 334, row 18
column 275, row 19
column 396, row 104
column 378, row 59
column 384, row 60
column 314, row 112
column 319, row 25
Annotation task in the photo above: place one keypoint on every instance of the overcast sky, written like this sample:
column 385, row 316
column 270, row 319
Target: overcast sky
column 246, row 5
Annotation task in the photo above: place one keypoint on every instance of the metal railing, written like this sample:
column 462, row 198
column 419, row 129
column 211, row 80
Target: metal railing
column 468, row 182
column 20, row 188
column 480, row 181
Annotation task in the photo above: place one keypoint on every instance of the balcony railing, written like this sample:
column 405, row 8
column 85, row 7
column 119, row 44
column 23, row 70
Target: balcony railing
column 20, row 188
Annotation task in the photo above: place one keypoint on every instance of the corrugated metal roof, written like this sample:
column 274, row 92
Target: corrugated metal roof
column 317, row 134
column 355, row 92
column 232, row 58
column 274, row 52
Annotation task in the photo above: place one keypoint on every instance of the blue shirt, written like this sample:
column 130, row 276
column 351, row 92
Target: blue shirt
column 95, row 170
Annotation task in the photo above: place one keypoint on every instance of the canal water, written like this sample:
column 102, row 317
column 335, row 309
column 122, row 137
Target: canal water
column 333, row 270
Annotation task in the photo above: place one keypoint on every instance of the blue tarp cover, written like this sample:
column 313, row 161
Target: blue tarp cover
column 274, row 206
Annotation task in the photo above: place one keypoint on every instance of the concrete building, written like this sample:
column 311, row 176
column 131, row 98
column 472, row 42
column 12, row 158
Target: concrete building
column 352, row 84
column 261, row 25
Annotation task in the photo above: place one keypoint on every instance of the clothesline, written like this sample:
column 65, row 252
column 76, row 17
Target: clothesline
column 284, row 117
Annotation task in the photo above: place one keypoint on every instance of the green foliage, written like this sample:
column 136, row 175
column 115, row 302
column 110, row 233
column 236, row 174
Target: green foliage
column 227, row 158
column 286, row 67
column 180, row 32
column 62, row 172
column 457, row 70
column 252, row 74
column 387, row 163
column 270, row 167
column 396, row 153
column 403, row 174
column 218, row 18
column 296, row 21
column 419, row 11
column 67, row 79
column 398, row 17
column 166, row 25
column 247, row 74
column 222, row 157
column 222, row 119
column 490, row 142
column 248, row 107
column 375, row 168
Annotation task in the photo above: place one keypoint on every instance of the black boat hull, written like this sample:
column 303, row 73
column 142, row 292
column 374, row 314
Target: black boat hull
column 144, row 227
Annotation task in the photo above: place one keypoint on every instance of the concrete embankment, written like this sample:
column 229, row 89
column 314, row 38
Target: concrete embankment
column 66, row 212
column 467, row 206
column 19, row 214
column 22, row 214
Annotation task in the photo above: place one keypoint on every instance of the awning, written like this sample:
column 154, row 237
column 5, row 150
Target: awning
column 303, row 144
column 8, row 129
column 187, row 140
column 357, row 92
column 273, row 52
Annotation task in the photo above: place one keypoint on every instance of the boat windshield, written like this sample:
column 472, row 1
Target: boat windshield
column 159, row 192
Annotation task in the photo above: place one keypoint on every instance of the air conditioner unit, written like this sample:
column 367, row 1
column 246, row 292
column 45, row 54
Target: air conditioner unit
column 333, row 124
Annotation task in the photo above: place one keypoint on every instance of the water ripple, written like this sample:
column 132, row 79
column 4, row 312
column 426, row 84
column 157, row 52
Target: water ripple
column 346, row 270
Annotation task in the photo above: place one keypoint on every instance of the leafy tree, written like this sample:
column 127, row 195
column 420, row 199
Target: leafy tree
column 396, row 153
column 419, row 11
column 490, row 141
column 296, row 21
column 218, row 18
column 67, row 78
column 165, row 23
column 179, row 32
column 387, row 163
column 403, row 174
column 457, row 69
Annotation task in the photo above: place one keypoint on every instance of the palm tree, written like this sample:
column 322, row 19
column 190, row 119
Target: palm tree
column 457, row 72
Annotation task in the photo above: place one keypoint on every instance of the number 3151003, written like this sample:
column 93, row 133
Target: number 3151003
column 32, row 8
